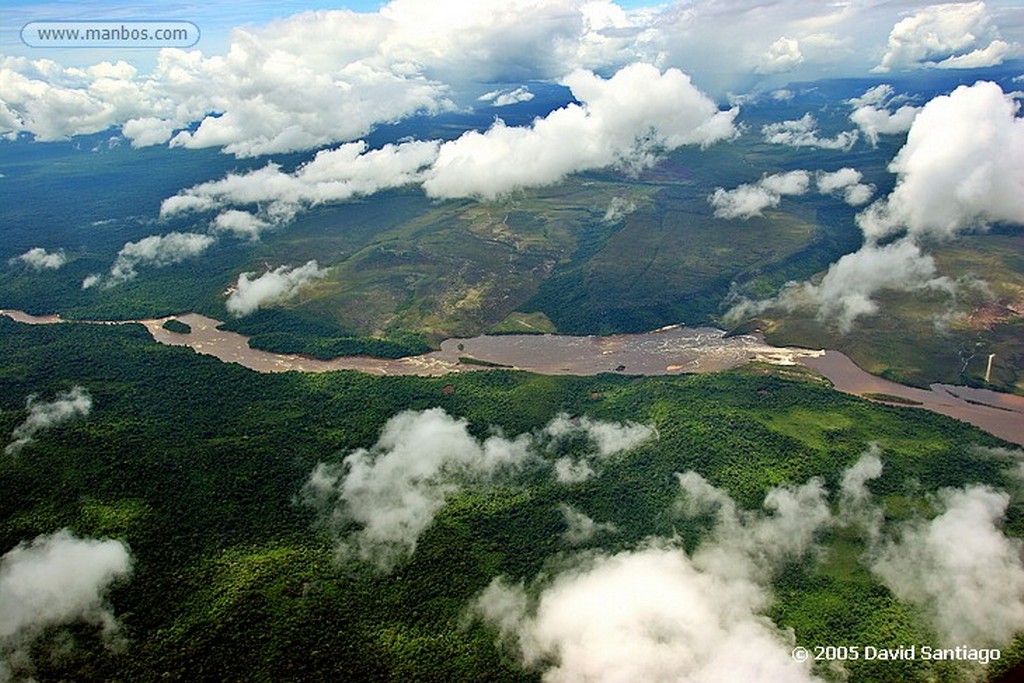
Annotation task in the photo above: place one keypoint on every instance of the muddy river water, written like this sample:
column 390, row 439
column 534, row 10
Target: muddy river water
column 670, row 350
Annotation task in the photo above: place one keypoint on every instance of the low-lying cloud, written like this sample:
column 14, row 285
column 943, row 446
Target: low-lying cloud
column 960, row 568
column 803, row 132
column 657, row 613
column 846, row 182
column 155, row 251
column 54, row 580
column 752, row 199
column 40, row 259
column 333, row 175
column 248, row 294
column 580, row 527
column 874, row 116
column 43, row 415
column 627, row 120
column 504, row 98
column 959, row 171
column 392, row 491
column 847, row 290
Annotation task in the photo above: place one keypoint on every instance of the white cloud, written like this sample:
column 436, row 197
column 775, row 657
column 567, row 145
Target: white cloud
column 580, row 528
column 618, row 208
column 43, row 415
column 393, row 490
column 40, row 259
column 279, row 87
column 156, row 251
column 847, row 290
column 749, row 200
column 656, row 614
column 993, row 54
column 782, row 56
column 607, row 437
column 610, row 438
column 332, row 175
column 961, row 568
column 951, row 35
column 803, row 132
column 873, row 117
column 960, row 169
column 857, row 507
column 241, row 223
column 503, row 98
column 645, row 615
column 282, row 283
column 625, row 120
column 55, row 580
column 846, row 182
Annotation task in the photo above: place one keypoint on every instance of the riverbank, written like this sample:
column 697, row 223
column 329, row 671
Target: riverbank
column 667, row 351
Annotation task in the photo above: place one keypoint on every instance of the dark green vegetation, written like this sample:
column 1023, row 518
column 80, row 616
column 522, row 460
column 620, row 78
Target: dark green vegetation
column 282, row 331
column 175, row 325
column 196, row 465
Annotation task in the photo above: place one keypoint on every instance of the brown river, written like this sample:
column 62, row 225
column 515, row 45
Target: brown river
column 670, row 350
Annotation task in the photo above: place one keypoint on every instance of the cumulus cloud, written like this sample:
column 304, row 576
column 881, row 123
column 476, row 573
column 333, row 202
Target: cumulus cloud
column 657, row 614
column 872, row 113
column 749, row 200
column 331, row 176
column 803, row 132
column 960, row 168
column 241, row 224
column 40, row 259
column 278, row 89
column 503, row 98
column 393, row 490
column 607, row 438
column 847, row 290
column 625, row 120
column 646, row 615
column 847, row 183
column 249, row 294
column 43, row 415
column 56, row 579
column 961, row 568
column 952, row 35
column 783, row 55
column 155, row 251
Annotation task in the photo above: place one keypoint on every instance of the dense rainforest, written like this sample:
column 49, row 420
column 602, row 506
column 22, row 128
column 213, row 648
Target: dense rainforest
column 200, row 468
